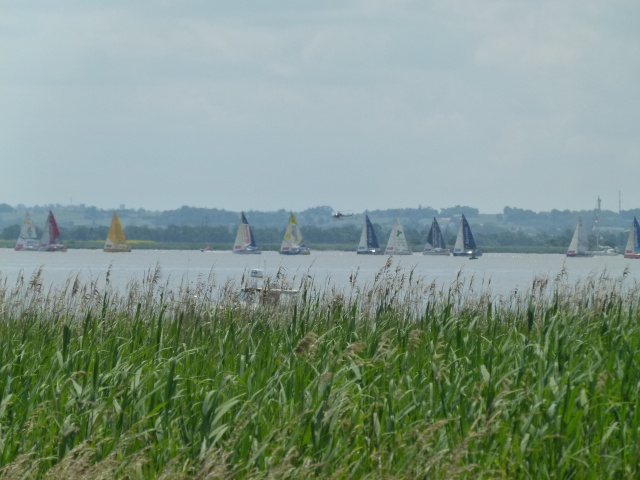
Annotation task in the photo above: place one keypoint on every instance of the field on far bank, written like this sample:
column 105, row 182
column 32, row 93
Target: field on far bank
column 396, row 380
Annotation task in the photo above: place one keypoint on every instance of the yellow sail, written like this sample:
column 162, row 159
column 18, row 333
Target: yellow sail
column 116, row 241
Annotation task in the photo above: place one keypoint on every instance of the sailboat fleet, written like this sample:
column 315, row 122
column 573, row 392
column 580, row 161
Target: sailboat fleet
column 245, row 242
column 293, row 241
column 49, row 241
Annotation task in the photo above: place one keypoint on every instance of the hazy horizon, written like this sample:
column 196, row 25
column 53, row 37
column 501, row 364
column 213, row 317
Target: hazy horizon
column 360, row 105
column 349, row 212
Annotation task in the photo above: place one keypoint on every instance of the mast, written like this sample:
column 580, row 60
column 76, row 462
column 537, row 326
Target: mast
column 596, row 221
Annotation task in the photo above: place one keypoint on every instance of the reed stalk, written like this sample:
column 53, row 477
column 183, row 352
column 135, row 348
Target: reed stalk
column 394, row 379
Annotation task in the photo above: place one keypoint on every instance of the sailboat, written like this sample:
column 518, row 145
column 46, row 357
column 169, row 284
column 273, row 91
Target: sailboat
column 50, row 241
column 465, row 243
column 245, row 241
column 28, row 238
column 579, row 246
column 116, row 241
column 435, row 241
column 397, row 244
column 604, row 250
column 368, row 241
column 632, row 250
column 293, row 243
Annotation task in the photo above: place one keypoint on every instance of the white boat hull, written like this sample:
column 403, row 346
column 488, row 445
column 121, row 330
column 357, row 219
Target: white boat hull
column 437, row 251
column 370, row 251
column 468, row 253
column 247, row 251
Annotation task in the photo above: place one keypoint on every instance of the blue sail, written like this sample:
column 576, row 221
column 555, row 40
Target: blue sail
column 252, row 243
column 368, row 244
column 633, row 245
column 469, row 242
column 435, row 238
column 372, row 240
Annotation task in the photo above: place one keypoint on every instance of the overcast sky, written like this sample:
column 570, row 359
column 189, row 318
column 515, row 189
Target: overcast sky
column 262, row 105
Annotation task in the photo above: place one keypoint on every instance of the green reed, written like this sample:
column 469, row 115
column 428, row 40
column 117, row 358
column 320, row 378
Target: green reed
column 393, row 379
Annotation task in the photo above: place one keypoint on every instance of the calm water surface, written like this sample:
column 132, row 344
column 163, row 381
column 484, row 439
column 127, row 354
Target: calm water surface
column 501, row 273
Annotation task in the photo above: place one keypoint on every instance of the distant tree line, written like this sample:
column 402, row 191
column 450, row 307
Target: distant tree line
column 512, row 227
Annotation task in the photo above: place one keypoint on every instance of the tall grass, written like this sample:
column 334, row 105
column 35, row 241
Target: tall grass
column 393, row 379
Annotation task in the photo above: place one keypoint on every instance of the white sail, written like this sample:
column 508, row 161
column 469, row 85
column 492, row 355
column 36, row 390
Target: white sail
column 579, row 246
column 243, row 238
column 362, row 245
column 245, row 243
column 397, row 244
column 465, row 243
column 632, row 250
column 459, row 246
column 631, row 241
column 28, row 238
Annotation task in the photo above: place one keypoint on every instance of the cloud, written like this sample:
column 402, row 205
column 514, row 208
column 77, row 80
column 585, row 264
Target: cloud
column 509, row 89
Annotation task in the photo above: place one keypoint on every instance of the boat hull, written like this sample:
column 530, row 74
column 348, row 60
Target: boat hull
column 437, row 251
column 467, row 253
column 580, row 254
column 53, row 248
column 253, row 251
column 632, row 255
column 370, row 251
column 26, row 248
column 116, row 249
column 296, row 251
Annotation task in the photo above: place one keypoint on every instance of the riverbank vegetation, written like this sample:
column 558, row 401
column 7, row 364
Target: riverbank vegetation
column 393, row 379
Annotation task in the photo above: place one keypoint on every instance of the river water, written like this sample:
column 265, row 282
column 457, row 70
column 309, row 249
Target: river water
column 501, row 273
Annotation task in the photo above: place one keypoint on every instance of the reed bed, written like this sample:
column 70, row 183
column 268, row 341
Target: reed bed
column 395, row 379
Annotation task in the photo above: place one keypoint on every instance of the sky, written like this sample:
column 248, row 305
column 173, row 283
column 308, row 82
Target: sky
column 355, row 104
